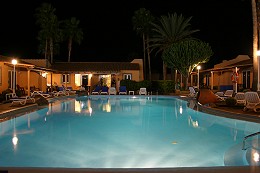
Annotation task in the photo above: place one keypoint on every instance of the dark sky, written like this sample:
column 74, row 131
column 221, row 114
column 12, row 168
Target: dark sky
column 108, row 31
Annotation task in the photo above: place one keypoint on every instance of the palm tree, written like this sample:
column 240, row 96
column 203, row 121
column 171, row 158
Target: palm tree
column 142, row 20
column 50, row 33
column 170, row 29
column 72, row 32
column 255, row 44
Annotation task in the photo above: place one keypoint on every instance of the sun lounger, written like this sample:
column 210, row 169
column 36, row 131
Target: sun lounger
column 224, row 95
column 96, row 90
column 122, row 90
column 63, row 93
column 252, row 101
column 229, row 93
column 192, row 93
column 104, row 90
column 142, row 91
column 69, row 91
column 112, row 91
column 40, row 93
column 22, row 100
column 240, row 98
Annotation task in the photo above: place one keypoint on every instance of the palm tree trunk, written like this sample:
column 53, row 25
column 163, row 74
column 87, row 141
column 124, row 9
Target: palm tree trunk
column 69, row 48
column 45, row 53
column 175, row 78
column 149, row 59
column 186, row 82
column 164, row 71
column 51, row 50
column 144, row 49
column 255, row 46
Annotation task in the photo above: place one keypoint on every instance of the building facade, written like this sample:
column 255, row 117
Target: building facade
column 33, row 74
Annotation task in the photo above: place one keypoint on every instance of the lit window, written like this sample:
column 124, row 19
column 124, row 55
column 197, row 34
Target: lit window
column 77, row 79
column 127, row 76
column 65, row 78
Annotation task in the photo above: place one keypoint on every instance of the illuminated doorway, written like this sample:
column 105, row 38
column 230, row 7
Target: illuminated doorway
column 84, row 80
column 106, row 80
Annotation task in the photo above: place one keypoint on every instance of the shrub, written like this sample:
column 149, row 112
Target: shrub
column 231, row 101
column 163, row 86
column 144, row 84
column 160, row 86
column 2, row 97
column 131, row 85
column 246, row 90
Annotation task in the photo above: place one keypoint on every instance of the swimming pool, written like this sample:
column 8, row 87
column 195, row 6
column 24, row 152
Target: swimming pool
column 125, row 132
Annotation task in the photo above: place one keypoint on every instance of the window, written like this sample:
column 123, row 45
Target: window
column 127, row 76
column 65, row 78
column 246, row 79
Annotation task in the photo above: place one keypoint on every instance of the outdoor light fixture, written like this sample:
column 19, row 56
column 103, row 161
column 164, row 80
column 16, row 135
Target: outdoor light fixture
column 198, row 68
column 14, row 62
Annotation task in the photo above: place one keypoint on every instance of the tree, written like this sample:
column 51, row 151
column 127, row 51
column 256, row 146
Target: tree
column 186, row 55
column 170, row 29
column 49, row 33
column 72, row 32
column 255, row 44
column 142, row 20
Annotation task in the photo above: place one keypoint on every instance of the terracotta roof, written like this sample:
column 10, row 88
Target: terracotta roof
column 9, row 60
column 94, row 66
column 243, row 63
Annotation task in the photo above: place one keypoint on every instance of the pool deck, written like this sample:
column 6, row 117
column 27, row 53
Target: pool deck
column 228, row 112
column 237, row 169
column 6, row 111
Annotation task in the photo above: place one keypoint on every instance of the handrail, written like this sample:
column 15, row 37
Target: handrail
column 245, row 138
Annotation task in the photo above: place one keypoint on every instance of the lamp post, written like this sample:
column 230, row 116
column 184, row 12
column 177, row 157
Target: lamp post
column 258, row 70
column 14, row 62
column 198, row 68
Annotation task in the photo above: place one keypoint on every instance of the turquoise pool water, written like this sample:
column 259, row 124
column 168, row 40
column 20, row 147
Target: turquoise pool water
column 125, row 132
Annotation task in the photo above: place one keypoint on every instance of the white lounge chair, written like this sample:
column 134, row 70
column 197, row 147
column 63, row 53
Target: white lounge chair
column 229, row 93
column 112, row 91
column 40, row 93
column 69, row 91
column 22, row 100
column 65, row 91
column 223, row 95
column 192, row 93
column 240, row 98
column 56, row 93
column 220, row 94
column 142, row 91
column 252, row 101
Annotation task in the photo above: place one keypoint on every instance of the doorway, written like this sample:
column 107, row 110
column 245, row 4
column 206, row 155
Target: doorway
column 85, row 81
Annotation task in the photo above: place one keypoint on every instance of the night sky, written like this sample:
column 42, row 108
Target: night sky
column 108, row 31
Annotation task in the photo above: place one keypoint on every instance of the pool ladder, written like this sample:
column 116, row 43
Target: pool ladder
column 248, row 136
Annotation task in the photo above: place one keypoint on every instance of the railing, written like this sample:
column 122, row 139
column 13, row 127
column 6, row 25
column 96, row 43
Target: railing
column 248, row 136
